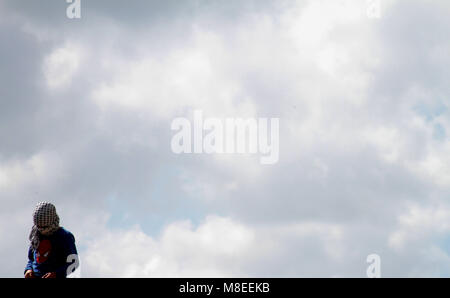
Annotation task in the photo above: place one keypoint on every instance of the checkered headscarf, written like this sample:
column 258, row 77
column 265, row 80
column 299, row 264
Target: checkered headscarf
column 46, row 222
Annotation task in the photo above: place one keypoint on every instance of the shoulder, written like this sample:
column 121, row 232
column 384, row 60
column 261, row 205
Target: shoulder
column 64, row 234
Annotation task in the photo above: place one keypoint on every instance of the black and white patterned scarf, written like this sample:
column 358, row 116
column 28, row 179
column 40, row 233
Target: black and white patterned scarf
column 46, row 222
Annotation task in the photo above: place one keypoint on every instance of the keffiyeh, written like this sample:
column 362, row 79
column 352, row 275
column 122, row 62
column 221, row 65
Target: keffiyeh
column 46, row 222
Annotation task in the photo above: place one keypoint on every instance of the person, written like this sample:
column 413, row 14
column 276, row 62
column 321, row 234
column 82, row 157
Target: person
column 52, row 248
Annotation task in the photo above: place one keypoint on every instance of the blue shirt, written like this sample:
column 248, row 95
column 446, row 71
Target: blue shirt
column 52, row 254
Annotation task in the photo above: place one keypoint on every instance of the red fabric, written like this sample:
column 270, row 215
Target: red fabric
column 43, row 252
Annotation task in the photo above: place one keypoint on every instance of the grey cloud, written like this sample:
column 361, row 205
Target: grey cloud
column 123, row 153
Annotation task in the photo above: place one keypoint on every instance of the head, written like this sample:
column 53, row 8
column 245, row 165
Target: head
column 45, row 218
column 46, row 222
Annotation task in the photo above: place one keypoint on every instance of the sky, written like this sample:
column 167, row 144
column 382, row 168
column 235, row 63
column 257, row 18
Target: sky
column 86, row 107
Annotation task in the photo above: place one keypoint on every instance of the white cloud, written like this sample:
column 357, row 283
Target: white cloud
column 354, row 150
column 218, row 246
column 190, row 77
column 420, row 224
column 40, row 170
column 61, row 65
column 181, row 250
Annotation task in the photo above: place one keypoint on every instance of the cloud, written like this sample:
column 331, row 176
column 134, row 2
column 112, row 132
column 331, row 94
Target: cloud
column 217, row 247
column 87, row 105
column 60, row 66
column 420, row 222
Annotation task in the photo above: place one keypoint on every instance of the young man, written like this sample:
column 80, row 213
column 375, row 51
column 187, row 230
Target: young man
column 52, row 248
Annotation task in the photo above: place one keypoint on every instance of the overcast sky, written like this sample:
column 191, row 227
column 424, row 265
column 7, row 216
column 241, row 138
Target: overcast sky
column 86, row 107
